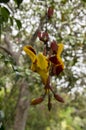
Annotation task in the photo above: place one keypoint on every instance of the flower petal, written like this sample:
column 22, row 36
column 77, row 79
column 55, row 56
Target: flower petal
column 42, row 62
column 57, row 69
column 60, row 49
column 44, row 75
column 54, row 59
column 31, row 52
column 42, row 67
column 33, row 67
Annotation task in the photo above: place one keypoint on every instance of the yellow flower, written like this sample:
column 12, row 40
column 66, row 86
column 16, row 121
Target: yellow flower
column 43, row 65
column 46, row 66
column 39, row 63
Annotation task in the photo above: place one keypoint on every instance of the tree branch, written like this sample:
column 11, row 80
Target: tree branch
column 6, row 50
column 34, row 36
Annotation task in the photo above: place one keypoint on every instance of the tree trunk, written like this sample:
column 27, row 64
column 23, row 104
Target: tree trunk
column 22, row 107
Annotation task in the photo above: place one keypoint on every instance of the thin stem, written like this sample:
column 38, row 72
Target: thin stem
column 46, row 13
column 0, row 24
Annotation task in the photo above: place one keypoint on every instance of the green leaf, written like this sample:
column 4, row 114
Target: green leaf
column 84, row 0
column 4, row 1
column 4, row 14
column 18, row 22
column 11, row 20
column 18, row 2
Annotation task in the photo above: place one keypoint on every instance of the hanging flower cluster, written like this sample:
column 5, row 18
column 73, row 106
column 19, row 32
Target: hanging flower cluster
column 47, row 63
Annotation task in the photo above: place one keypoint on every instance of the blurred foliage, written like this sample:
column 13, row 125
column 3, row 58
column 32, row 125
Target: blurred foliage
column 7, row 15
column 68, row 25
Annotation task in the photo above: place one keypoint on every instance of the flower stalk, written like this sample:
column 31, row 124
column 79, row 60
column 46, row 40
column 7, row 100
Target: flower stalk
column 47, row 63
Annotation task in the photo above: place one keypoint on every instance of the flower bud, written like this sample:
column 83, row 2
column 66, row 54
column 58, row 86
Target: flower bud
column 59, row 98
column 49, row 106
column 37, row 101
column 43, row 36
column 50, row 12
column 54, row 46
column 39, row 34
